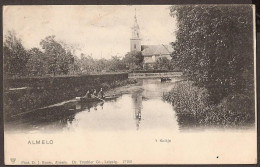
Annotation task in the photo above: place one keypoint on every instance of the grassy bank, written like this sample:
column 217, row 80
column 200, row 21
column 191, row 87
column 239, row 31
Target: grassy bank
column 193, row 108
column 44, row 92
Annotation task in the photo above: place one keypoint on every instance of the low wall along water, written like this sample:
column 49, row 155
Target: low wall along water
column 21, row 95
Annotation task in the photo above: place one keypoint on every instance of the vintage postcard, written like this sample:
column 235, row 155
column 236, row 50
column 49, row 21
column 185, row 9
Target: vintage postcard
column 129, row 84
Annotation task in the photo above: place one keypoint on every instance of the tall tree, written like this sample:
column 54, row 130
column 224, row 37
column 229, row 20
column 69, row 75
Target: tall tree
column 87, row 63
column 214, row 47
column 58, row 59
column 36, row 64
column 134, row 60
column 116, row 64
column 15, row 55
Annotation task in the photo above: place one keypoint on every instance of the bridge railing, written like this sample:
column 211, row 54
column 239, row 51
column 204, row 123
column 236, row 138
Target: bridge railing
column 154, row 75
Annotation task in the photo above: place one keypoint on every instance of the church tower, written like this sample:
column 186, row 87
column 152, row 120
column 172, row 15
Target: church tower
column 135, row 41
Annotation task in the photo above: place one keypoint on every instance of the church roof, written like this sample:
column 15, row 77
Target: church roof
column 148, row 50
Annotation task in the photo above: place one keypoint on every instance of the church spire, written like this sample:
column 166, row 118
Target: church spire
column 135, row 40
column 135, row 21
column 135, row 14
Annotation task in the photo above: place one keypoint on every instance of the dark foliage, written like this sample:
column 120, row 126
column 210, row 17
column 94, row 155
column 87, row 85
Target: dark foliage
column 41, row 92
column 193, row 110
column 15, row 55
column 215, row 51
column 57, row 58
column 214, row 48
column 134, row 60
column 163, row 63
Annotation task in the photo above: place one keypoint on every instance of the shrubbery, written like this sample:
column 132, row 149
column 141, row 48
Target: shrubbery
column 214, row 48
column 218, row 64
column 192, row 107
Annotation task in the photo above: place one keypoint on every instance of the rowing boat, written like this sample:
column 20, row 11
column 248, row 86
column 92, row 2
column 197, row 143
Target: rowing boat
column 95, row 99
column 164, row 79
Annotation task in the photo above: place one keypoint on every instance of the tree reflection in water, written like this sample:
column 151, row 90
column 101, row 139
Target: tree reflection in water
column 57, row 117
column 136, row 101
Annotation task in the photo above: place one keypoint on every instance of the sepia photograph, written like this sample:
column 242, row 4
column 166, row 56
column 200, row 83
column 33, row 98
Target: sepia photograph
column 129, row 84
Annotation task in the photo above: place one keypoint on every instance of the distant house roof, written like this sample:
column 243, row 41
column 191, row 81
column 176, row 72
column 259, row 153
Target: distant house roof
column 148, row 50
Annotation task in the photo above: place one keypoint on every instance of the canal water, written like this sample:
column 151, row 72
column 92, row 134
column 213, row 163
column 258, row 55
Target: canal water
column 139, row 107
column 136, row 128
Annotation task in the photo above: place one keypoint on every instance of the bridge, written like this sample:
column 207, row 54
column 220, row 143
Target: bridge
column 154, row 75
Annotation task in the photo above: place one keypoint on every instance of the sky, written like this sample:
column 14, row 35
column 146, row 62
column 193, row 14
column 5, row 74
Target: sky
column 100, row 31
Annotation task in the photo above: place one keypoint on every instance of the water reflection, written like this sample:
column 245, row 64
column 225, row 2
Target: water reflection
column 137, row 101
column 89, row 106
column 140, row 107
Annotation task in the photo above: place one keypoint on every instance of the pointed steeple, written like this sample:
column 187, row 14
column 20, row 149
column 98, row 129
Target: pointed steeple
column 135, row 40
column 135, row 21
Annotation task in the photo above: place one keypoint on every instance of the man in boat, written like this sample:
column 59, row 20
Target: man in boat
column 87, row 95
column 101, row 94
column 94, row 94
